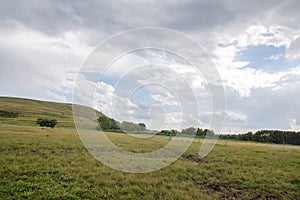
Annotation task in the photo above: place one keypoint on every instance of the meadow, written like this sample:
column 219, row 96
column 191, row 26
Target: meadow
column 45, row 163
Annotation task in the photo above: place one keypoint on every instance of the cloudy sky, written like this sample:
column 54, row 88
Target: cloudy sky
column 255, row 46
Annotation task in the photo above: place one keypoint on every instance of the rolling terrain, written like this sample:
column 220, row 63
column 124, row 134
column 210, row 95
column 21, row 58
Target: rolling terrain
column 45, row 163
column 30, row 110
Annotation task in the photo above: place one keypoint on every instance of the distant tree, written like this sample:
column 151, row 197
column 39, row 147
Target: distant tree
column 268, row 136
column 168, row 132
column 107, row 123
column 189, row 131
column 200, row 132
column 174, row 132
column 130, row 126
column 208, row 133
column 8, row 114
column 245, row 137
column 46, row 122
column 142, row 125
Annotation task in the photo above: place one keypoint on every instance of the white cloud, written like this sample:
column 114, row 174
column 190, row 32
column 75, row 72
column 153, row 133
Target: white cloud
column 40, row 54
column 274, row 57
column 256, row 35
column 236, row 74
column 39, row 62
column 294, row 126
column 293, row 51
column 166, row 99
column 56, row 96
column 237, row 116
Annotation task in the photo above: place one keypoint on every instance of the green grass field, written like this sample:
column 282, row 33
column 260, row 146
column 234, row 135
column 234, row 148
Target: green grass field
column 47, row 163
column 30, row 110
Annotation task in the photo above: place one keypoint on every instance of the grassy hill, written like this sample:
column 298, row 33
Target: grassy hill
column 49, row 163
column 30, row 110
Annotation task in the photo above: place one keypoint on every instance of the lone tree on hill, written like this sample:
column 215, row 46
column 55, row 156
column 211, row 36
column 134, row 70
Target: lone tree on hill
column 107, row 123
column 142, row 125
column 46, row 122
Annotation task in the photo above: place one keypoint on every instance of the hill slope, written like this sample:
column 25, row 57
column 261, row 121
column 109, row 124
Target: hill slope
column 30, row 110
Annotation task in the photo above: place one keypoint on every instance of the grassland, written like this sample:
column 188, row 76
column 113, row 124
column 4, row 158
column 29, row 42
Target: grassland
column 53, row 164
column 30, row 110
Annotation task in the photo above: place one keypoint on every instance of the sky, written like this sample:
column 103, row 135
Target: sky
column 254, row 45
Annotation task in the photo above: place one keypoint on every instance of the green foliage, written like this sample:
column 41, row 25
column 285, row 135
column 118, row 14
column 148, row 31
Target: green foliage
column 130, row 126
column 46, row 122
column 168, row 132
column 191, row 131
column 8, row 114
column 142, row 125
column 29, row 110
column 268, row 136
column 202, row 133
column 107, row 123
column 188, row 132
column 57, row 166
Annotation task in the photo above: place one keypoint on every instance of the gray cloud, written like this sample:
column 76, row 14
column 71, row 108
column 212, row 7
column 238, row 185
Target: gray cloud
column 267, row 108
column 98, row 17
column 42, row 42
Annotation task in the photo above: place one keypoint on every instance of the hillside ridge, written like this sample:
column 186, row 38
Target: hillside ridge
column 29, row 110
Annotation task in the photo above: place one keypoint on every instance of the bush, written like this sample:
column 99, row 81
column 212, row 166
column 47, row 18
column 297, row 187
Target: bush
column 130, row 126
column 168, row 132
column 107, row 123
column 46, row 122
column 142, row 126
column 8, row 114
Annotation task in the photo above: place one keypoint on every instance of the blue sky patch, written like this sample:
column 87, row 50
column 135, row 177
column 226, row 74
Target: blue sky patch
column 267, row 58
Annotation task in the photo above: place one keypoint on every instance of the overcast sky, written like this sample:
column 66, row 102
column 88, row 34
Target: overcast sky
column 255, row 45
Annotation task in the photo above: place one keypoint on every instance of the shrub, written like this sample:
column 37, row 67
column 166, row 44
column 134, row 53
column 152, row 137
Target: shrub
column 107, row 123
column 8, row 114
column 46, row 122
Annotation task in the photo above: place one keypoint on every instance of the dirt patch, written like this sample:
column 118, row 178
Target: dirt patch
column 192, row 158
column 236, row 192
column 259, row 196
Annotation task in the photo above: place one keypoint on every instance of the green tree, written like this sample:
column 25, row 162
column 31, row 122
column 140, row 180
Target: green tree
column 107, row 123
column 189, row 131
column 200, row 132
column 168, row 132
column 142, row 125
column 46, row 122
column 8, row 114
column 130, row 126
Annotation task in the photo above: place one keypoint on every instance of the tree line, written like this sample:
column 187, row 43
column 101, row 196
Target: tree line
column 188, row 132
column 267, row 136
column 263, row 136
column 109, row 124
column 8, row 114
